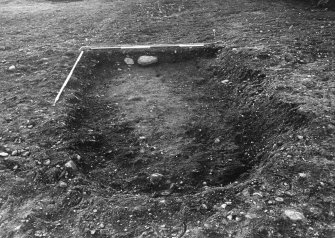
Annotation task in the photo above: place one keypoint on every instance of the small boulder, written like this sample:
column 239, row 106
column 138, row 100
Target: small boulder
column 147, row 60
column 156, row 178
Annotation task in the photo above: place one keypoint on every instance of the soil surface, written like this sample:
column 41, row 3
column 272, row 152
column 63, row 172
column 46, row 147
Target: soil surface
column 235, row 140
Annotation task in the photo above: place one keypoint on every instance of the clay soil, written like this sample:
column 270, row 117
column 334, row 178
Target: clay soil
column 236, row 140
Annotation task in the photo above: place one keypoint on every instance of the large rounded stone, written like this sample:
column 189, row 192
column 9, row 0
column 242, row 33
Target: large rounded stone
column 147, row 60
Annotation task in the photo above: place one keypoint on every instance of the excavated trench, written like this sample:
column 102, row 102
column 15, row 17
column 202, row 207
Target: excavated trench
column 195, row 119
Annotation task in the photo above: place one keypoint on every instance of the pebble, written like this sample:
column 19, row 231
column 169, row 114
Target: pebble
column 71, row 165
column 3, row 154
column 12, row 68
column 230, row 217
column 251, row 215
column 47, row 162
column 147, row 60
column 300, row 137
column 15, row 153
column 257, row 194
column 62, row 184
column 294, row 215
column 129, row 61
column 302, row 175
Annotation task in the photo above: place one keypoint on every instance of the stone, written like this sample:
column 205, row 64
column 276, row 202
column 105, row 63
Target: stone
column 279, row 199
column 294, row 215
column 300, row 137
column 156, row 178
column 147, row 60
column 3, row 154
column 62, row 184
column 225, row 81
column 129, row 61
column 12, row 68
column 71, row 165
column 15, row 153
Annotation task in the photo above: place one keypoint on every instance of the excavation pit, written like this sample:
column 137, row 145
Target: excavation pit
column 178, row 118
column 171, row 144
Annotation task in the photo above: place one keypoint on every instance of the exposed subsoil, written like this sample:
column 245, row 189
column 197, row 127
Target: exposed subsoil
column 231, row 141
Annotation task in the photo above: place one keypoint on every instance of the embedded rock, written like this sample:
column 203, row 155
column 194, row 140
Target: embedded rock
column 156, row 178
column 147, row 60
column 129, row 61
column 294, row 215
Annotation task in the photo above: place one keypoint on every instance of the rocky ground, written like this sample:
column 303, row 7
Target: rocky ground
column 232, row 141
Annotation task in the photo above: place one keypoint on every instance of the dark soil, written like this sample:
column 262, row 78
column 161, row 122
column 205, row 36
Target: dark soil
column 236, row 140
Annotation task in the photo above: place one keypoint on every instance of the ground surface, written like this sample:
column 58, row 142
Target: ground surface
column 241, row 143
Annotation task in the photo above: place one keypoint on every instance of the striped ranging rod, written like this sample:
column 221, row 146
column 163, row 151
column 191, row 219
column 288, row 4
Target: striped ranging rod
column 126, row 47
column 155, row 46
